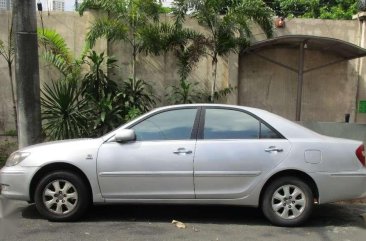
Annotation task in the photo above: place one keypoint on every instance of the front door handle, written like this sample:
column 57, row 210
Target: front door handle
column 182, row 150
column 273, row 149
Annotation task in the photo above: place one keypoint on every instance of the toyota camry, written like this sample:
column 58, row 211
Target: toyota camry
column 191, row 154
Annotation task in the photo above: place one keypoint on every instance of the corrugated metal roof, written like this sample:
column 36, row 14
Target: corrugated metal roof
column 338, row 47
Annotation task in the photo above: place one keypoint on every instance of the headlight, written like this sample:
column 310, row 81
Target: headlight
column 15, row 158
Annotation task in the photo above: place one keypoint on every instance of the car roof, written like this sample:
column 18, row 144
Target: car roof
column 287, row 128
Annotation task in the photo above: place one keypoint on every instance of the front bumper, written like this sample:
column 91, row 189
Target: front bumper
column 15, row 182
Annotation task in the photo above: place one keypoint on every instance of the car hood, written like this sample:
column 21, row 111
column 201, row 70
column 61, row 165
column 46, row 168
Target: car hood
column 71, row 151
column 54, row 144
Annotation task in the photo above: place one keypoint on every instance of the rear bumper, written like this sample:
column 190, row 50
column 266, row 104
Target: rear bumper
column 340, row 186
column 15, row 182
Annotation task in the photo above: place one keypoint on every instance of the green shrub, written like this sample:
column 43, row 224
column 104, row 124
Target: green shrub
column 11, row 133
column 64, row 112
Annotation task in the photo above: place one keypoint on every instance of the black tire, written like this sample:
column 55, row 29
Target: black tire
column 78, row 203
column 293, row 218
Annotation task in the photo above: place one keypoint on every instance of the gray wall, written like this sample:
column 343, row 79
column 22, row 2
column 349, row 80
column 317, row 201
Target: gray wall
column 342, row 130
column 6, row 111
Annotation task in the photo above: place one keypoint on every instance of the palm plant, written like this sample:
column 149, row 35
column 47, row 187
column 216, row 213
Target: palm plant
column 125, row 20
column 64, row 112
column 96, row 83
column 187, row 45
column 100, row 103
column 228, row 23
column 137, row 95
column 185, row 93
column 108, row 113
column 103, row 95
column 57, row 53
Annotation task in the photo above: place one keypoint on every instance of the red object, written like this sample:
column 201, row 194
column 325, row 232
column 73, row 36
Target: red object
column 280, row 22
column 360, row 153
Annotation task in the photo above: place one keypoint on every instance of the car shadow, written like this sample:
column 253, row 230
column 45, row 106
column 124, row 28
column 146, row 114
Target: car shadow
column 324, row 215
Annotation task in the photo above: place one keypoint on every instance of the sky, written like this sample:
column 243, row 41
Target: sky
column 70, row 4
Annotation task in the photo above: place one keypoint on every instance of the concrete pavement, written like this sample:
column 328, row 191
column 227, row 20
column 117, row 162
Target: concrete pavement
column 147, row 222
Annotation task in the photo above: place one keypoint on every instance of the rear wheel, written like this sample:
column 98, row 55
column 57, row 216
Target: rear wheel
column 61, row 196
column 287, row 201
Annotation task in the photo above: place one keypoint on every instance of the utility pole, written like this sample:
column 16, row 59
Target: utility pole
column 27, row 72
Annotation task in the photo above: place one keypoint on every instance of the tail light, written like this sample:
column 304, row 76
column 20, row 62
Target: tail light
column 360, row 153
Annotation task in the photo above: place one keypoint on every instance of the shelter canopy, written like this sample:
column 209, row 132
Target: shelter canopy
column 342, row 49
column 338, row 47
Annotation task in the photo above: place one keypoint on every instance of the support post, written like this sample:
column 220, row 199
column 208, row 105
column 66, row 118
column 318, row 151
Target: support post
column 27, row 72
column 300, row 77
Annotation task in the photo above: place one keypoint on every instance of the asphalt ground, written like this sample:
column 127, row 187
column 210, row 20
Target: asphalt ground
column 21, row 221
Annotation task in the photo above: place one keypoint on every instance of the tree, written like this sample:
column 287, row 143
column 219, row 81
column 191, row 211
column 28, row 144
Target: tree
column 228, row 24
column 126, row 18
column 324, row 9
column 188, row 47
column 7, row 52
column 27, row 73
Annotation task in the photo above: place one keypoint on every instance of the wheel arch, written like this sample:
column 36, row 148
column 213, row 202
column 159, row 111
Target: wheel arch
column 291, row 173
column 52, row 167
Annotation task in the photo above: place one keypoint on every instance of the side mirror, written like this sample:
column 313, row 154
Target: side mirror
column 125, row 135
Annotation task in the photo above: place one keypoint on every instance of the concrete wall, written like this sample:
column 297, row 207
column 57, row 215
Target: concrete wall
column 328, row 93
column 352, row 131
column 6, row 111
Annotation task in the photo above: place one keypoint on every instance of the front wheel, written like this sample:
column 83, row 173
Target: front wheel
column 287, row 201
column 61, row 196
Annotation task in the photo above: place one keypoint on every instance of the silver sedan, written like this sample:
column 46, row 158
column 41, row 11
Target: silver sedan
column 191, row 154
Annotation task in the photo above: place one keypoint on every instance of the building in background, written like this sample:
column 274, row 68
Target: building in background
column 58, row 5
column 5, row 4
column 53, row 5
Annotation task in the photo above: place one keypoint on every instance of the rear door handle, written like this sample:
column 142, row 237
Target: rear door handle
column 182, row 150
column 273, row 149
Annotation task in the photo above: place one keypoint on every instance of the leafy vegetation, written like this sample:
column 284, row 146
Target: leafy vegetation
column 228, row 25
column 185, row 93
column 63, row 111
column 96, row 84
column 138, row 95
column 56, row 52
column 125, row 20
column 11, row 133
column 324, row 9
column 188, row 47
column 108, row 113
column 87, row 104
